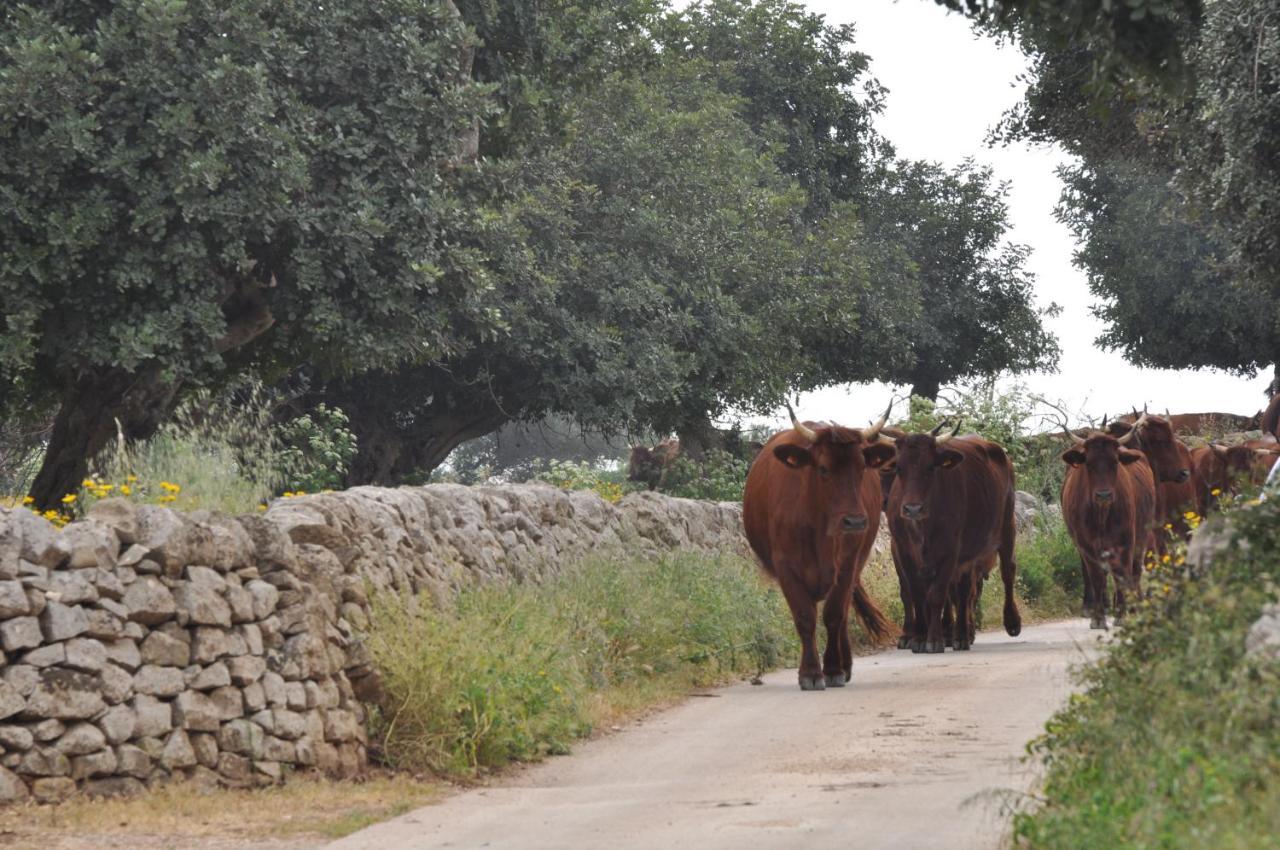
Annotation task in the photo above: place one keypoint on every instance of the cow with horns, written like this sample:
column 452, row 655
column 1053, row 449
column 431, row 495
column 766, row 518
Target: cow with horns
column 1171, row 464
column 1109, row 505
column 1219, row 470
column 950, row 513
column 811, row 509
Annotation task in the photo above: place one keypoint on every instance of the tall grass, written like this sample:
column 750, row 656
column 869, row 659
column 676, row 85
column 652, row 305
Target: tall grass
column 220, row 451
column 514, row 673
column 1175, row 741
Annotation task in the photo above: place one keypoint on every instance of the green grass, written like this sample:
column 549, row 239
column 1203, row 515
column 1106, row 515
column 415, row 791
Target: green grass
column 1175, row 740
column 513, row 673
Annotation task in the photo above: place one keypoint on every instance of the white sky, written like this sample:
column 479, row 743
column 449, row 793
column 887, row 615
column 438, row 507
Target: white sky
column 947, row 88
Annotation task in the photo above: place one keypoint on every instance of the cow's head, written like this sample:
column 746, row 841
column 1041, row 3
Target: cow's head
column 922, row 457
column 1169, row 458
column 1101, row 455
column 833, row 460
column 641, row 465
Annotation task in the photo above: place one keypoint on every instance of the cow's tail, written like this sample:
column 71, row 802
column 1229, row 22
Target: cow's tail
column 878, row 627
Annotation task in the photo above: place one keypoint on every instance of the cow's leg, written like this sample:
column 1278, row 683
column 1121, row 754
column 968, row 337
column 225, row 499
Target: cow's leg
column 1086, row 599
column 904, row 592
column 1009, row 573
column 935, row 604
column 962, row 593
column 804, row 614
column 1098, row 578
column 920, row 602
column 837, row 661
column 949, row 619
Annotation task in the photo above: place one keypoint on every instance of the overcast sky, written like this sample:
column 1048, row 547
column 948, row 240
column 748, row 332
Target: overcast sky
column 947, row 88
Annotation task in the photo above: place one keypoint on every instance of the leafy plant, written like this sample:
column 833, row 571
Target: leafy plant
column 316, row 449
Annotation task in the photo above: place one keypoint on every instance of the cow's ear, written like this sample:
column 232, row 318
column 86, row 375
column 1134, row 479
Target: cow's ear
column 793, row 456
column 1128, row 456
column 877, row 455
column 1073, row 457
column 948, row 458
column 1220, row 451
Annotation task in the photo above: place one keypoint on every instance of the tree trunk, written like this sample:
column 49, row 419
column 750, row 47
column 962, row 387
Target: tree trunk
column 387, row 456
column 93, row 411
column 925, row 387
column 697, row 437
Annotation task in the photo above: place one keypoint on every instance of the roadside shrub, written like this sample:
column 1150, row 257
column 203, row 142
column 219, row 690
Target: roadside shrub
column 610, row 485
column 1173, row 743
column 719, row 477
column 316, row 450
column 513, row 673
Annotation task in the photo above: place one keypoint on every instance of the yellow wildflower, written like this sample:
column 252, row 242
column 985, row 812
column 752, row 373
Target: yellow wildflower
column 69, row 498
column 262, row 507
column 1216, row 491
column 1168, row 526
column 126, row 490
column 168, row 498
column 88, row 482
column 1164, row 559
column 132, row 479
column 26, row 500
column 1190, row 515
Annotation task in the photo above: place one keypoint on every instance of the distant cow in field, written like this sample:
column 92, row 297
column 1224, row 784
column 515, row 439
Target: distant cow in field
column 1271, row 416
column 1109, row 505
column 810, row 509
column 1219, row 470
column 650, row 465
column 951, row 516
column 1198, row 424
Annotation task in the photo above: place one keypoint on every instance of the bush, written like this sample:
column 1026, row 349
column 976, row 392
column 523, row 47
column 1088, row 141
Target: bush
column 513, row 673
column 316, row 450
column 1174, row 741
column 719, row 477
column 610, row 485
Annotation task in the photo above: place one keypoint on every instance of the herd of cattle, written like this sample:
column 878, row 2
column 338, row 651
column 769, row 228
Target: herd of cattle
column 815, row 494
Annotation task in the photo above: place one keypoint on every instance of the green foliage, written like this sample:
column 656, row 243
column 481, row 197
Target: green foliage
column 511, row 673
column 720, row 477
column 577, row 475
column 1049, row 566
column 219, row 450
column 316, row 449
column 1173, row 742
column 978, row 315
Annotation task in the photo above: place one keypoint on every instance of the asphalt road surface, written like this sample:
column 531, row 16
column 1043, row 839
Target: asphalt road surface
column 921, row 751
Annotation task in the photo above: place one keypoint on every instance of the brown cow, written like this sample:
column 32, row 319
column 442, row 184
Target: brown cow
column 811, row 515
column 1170, row 462
column 1271, row 418
column 650, row 465
column 1219, row 470
column 951, row 514
column 1109, row 505
column 1196, row 424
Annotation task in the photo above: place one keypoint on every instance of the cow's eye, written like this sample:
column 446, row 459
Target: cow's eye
column 824, row 472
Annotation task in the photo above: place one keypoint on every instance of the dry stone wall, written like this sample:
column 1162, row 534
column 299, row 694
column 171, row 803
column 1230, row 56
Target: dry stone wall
column 141, row 643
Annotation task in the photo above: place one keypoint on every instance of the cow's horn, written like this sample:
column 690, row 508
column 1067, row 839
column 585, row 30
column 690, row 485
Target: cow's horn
column 804, row 430
column 949, row 437
column 1133, row 429
column 938, row 428
column 872, row 435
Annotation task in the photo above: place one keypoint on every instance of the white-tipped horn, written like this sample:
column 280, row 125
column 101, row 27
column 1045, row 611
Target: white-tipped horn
column 804, row 430
column 874, row 434
column 1133, row 430
column 947, row 438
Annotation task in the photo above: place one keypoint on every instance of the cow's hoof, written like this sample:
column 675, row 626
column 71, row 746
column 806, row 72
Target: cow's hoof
column 1098, row 623
column 951, row 642
column 934, row 646
column 1013, row 624
column 812, row 683
column 904, row 642
column 836, row 681
column 963, row 646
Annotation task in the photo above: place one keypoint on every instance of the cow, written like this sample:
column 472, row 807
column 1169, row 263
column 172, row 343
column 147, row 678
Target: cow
column 1196, row 424
column 1109, row 505
column 1170, row 462
column 1271, row 417
column 811, row 509
column 650, row 465
column 1219, row 470
column 951, row 515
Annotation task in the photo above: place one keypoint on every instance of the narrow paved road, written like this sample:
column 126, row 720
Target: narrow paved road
column 913, row 755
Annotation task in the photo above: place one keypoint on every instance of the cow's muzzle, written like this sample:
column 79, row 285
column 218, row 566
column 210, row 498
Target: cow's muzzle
column 915, row 511
column 850, row 523
column 1103, row 496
